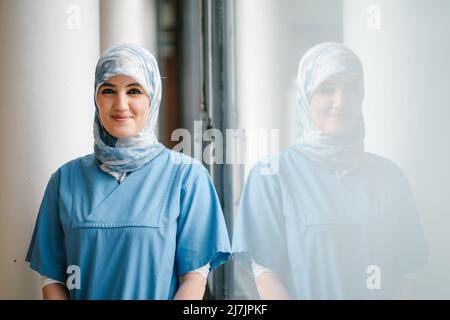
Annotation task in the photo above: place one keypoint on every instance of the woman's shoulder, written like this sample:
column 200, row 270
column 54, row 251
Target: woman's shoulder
column 386, row 171
column 179, row 160
column 87, row 160
column 287, row 161
column 380, row 164
column 266, row 171
column 68, row 167
column 183, row 165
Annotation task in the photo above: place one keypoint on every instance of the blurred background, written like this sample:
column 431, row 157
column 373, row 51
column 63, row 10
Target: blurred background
column 230, row 64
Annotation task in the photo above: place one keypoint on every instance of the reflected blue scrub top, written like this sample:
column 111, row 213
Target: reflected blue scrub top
column 324, row 235
column 130, row 240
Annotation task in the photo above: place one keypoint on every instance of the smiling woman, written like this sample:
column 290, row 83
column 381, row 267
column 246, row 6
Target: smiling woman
column 136, row 220
column 335, row 221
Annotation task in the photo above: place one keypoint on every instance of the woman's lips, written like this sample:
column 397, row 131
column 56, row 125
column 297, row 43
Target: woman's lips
column 120, row 118
column 337, row 115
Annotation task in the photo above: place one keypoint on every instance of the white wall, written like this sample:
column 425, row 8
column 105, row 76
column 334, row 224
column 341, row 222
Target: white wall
column 48, row 52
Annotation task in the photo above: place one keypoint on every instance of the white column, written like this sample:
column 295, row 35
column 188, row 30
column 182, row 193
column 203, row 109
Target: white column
column 128, row 21
column 48, row 53
column 256, row 71
column 405, row 49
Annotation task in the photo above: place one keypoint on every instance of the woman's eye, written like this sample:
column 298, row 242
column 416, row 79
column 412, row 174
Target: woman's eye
column 327, row 90
column 354, row 88
column 134, row 91
column 107, row 91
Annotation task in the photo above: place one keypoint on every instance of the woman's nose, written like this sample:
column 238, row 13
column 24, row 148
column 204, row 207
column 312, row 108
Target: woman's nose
column 121, row 102
column 338, row 98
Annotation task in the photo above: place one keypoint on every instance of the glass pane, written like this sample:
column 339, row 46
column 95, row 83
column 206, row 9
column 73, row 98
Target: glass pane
column 349, row 202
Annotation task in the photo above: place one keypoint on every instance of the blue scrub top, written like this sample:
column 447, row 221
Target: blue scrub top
column 130, row 240
column 327, row 237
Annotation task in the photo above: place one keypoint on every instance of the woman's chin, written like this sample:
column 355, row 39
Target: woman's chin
column 337, row 131
column 123, row 134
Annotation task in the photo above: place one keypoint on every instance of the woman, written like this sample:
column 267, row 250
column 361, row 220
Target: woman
column 335, row 222
column 134, row 220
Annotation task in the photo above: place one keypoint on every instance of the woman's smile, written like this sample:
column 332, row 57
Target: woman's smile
column 120, row 118
column 337, row 115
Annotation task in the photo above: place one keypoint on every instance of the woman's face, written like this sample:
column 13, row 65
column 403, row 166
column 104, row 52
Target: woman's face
column 123, row 106
column 336, row 105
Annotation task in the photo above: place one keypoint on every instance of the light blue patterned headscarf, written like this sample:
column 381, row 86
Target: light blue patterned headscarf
column 316, row 66
column 119, row 156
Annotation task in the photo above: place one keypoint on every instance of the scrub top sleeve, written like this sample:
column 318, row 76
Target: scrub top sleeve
column 46, row 253
column 259, row 228
column 411, row 250
column 202, row 235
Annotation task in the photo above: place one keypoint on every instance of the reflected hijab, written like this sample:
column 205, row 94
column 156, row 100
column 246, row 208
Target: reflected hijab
column 119, row 156
column 317, row 65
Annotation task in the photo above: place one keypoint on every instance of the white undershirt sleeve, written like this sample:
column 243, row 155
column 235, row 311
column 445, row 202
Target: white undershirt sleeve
column 203, row 271
column 258, row 270
column 46, row 281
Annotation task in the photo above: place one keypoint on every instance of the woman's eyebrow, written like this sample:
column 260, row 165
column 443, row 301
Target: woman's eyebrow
column 107, row 84
column 133, row 84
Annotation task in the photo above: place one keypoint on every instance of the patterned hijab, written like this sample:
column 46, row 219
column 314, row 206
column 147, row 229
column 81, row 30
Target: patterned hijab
column 119, row 156
column 317, row 65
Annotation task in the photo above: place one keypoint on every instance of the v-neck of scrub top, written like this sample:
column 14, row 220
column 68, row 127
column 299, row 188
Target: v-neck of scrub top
column 105, row 202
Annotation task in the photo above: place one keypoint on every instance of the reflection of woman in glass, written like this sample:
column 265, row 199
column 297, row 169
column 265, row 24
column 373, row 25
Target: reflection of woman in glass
column 134, row 220
column 334, row 222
